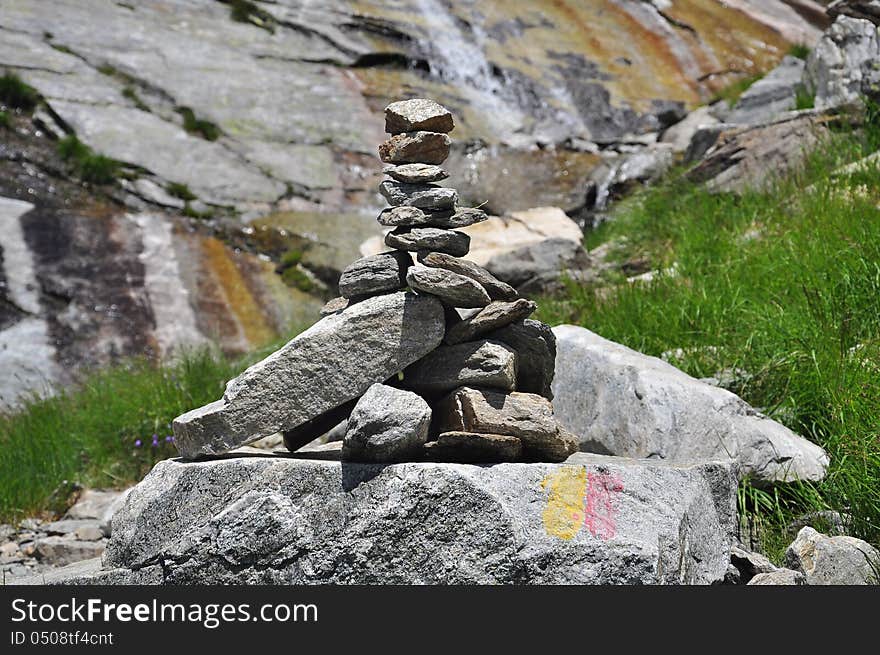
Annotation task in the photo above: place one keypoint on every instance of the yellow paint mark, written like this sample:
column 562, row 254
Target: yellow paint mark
column 564, row 514
column 250, row 316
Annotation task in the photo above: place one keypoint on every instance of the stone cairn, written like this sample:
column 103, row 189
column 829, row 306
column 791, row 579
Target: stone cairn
column 451, row 370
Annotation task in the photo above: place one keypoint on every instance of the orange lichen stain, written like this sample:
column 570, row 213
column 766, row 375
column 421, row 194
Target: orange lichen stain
column 564, row 515
column 239, row 298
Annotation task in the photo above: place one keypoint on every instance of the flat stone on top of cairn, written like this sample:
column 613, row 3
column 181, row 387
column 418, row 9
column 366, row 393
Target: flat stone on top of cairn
column 417, row 114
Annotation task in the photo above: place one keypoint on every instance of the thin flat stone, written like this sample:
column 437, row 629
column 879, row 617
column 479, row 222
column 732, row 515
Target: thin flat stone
column 473, row 448
column 450, row 242
column 495, row 315
column 416, row 173
column 496, row 289
column 375, row 274
column 461, row 217
column 417, row 114
column 478, row 363
column 403, row 217
column 415, row 148
column 423, row 196
column 453, row 289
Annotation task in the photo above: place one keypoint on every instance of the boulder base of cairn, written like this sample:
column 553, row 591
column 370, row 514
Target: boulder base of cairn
column 265, row 520
column 334, row 361
column 387, row 425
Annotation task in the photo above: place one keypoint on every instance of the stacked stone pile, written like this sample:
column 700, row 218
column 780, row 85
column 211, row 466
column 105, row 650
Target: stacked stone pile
column 451, row 369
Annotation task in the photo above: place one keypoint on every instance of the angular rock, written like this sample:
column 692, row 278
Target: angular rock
column 387, row 425
column 535, row 347
column 473, row 448
column 864, row 9
column 496, row 289
column 60, row 551
column 376, row 274
column 591, row 520
column 403, row 216
column 334, row 361
column 335, row 305
column 779, row 577
column 424, row 196
column 681, row 134
column 417, row 114
column 429, row 238
column 838, row 560
column 495, row 315
column 461, row 217
column 453, row 289
column 527, row 416
column 415, row 148
column 624, row 403
column 770, row 96
column 843, row 64
column 749, row 564
column 479, row 363
column 416, row 173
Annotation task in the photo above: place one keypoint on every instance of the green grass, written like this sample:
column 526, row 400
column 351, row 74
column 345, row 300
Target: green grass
column 86, row 164
column 732, row 92
column 244, row 11
column 291, row 258
column 101, row 433
column 198, row 126
column 783, row 284
column 5, row 121
column 16, row 94
column 297, row 278
column 799, row 50
column 181, row 191
column 804, row 99
column 132, row 95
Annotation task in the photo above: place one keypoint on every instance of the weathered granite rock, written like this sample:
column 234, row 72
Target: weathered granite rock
column 749, row 564
column 334, row 361
column 535, row 347
column 865, row 9
column 477, row 363
column 405, row 216
column 527, row 416
column 424, row 196
column 495, row 315
column 473, row 448
column 386, row 425
column 621, row 402
column 429, row 238
column 843, row 64
column 417, row 114
column 334, row 305
column 541, row 267
column 837, row 560
column 415, row 148
column 681, row 134
column 591, row 520
column 779, row 577
column 61, row 551
column 770, row 96
column 496, row 289
column 453, row 289
column 416, row 173
column 461, row 217
column 376, row 274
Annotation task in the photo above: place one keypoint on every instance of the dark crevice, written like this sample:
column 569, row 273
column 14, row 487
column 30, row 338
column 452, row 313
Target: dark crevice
column 394, row 60
column 677, row 23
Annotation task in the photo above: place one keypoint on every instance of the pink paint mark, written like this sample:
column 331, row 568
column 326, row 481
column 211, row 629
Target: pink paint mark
column 599, row 512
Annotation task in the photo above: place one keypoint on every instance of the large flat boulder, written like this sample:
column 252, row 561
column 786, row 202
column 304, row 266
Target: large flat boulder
column 622, row 402
column 272, row 520
column 329, row 364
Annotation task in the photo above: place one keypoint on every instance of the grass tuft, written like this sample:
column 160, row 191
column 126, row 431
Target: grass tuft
column 14, row 93
column 181, row 191
column 198, row 126
column 799, row 50
column 88, row 166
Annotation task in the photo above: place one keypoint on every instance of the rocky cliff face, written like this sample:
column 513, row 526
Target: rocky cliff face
column 263, row 117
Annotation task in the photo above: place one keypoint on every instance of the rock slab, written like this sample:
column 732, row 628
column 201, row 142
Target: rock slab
column 478, row 363
column 375, row 274
column 334, row 361
column 621, row 402
column 591, row 520
column 453, row 289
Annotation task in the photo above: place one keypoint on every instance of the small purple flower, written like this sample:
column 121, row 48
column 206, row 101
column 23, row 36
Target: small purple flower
column 169, row 439
column 155, row 442
column 138, row 443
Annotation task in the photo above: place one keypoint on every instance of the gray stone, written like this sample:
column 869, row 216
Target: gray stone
column 535, row 347
column 89, row 533
column 527, row 416
column 387, row 425
column 68, row 526
column 492, row 317
column 865, row 9
column 496, row 289
column 404, row 216
column 416, row 173
column 540, row 267
column 837, row 560
column 682, row 133
column 749, row 564
column 473, row 448
column 334, row 305
column 842, row 62
column 780, row 577
column 478, row 363
column 624, row 403
column 95, row 504
column 415, row 148
column 453, row 289
column 591, row 520
column 770, row 96
column 89, row 572
column 376, row 274
column 424, row 196
column 450, row 242
column 334, row 361
column 59, row 551
column 417, row 114
column 461, row 217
